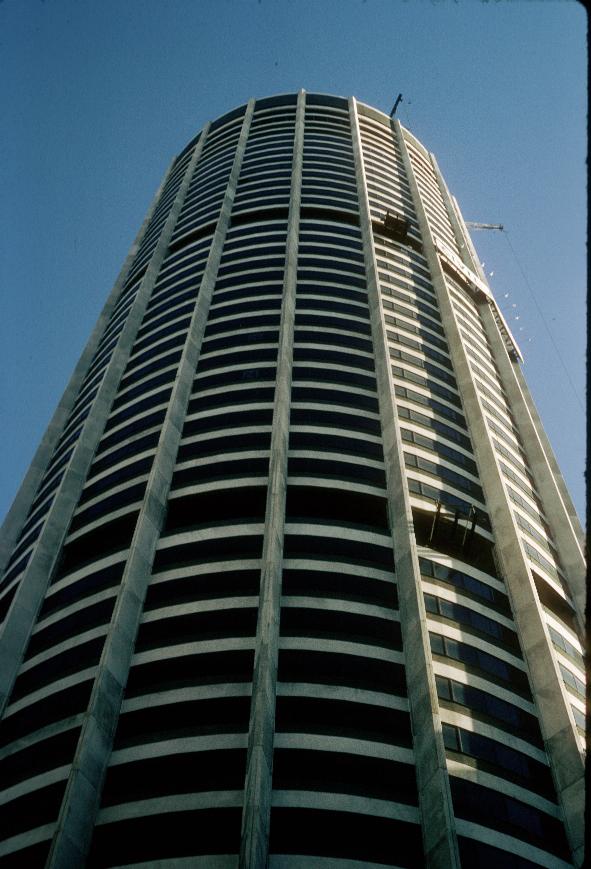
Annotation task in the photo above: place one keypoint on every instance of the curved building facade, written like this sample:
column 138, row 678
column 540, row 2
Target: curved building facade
column 294, row 579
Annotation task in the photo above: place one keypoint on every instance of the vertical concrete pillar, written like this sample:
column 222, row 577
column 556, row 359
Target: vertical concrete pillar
column 549, row 478
column 567, row 534
column 17, row 514
column 535, row 444
column 558, row 726
column 33, row 583
column 256, row 814
column 556, row 719
column 435, row 805
column 81, row 801
column 549, row 481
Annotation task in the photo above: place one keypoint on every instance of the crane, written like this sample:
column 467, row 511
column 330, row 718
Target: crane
column 473, row 225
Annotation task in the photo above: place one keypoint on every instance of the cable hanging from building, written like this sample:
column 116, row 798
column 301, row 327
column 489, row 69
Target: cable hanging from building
column 499, row 226
column 532, row 294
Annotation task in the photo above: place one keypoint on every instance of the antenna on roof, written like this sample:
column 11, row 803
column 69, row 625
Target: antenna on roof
column 398, row 100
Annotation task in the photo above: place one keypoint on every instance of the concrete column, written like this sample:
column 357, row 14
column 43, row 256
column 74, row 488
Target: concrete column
column 16, row 516
column 435, row 805
column 562, row 527
column 256, row 815
column 81, row 801
column 556, row 718
column 567, row 534
column 33, row 584
column 557, row 722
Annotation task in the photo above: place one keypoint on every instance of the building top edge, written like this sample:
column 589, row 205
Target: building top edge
column 322, row 98
column 291, row 96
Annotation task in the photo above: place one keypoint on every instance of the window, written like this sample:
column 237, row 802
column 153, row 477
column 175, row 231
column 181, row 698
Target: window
column 493, row 667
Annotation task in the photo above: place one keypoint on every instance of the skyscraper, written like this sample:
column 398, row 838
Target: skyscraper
column 294, row 579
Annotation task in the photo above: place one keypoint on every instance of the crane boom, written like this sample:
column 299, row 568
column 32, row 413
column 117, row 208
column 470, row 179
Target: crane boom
column 473, row 225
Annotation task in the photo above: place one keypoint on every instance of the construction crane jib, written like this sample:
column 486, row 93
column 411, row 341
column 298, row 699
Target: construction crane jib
column 472, row 224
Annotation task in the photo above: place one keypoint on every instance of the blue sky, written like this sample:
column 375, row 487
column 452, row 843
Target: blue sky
column 97, row 97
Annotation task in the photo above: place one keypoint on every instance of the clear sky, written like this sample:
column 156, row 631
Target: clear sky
column 99, row 95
